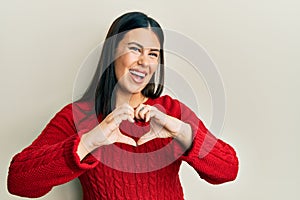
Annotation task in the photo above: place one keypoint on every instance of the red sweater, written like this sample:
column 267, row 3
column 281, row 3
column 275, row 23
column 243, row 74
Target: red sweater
column 119, row 171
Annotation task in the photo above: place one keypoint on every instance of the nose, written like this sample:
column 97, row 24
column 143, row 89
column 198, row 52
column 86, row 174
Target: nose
column 143, row 60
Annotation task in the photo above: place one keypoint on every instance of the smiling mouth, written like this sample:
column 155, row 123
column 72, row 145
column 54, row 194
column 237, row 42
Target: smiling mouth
column 137, row 76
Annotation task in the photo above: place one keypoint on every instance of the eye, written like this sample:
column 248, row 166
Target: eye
column 136, row 49
column 154, row 55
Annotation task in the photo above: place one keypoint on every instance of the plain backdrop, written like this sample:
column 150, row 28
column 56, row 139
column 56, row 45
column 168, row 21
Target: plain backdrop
column 255, row 45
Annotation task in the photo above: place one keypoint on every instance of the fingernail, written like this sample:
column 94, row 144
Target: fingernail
column 131, row 120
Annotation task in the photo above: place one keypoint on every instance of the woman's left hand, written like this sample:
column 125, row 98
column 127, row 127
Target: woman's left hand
column 163, row 126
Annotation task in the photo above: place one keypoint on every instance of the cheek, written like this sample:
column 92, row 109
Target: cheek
column 126, row 60
column 122, row 64
column 118, row 72
column 153, row 68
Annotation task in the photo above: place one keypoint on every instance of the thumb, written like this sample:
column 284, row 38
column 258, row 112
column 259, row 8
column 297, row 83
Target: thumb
column 146, row 138
column 126, row 140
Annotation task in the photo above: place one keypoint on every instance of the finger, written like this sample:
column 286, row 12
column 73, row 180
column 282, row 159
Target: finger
column 147, row 116
column 125, row 139
column 118, row 119
column 120, row 114
column 137, row 110
column 130, row 119
column 146, row 138
column 129, row 111
column 126, row 106
column 109, row 118
column 123, row 109
column 143, row 111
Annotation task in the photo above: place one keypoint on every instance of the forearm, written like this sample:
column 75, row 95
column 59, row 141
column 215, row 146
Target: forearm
column 34, row 171
column 214, row 160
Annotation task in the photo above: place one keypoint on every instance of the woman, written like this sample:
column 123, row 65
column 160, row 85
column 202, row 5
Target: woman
column 122, row 139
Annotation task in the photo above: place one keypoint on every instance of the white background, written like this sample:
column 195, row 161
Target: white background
column 255, row 45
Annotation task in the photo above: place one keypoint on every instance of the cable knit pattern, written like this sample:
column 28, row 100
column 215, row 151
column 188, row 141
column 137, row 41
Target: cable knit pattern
column 119, row 171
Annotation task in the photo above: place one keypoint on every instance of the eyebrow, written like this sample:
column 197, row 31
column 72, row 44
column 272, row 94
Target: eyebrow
column 141, row 46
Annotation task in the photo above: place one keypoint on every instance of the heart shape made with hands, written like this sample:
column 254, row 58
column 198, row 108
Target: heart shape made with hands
column 160, row 125
column 150, row 123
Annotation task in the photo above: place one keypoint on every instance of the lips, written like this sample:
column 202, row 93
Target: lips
column 137, row 76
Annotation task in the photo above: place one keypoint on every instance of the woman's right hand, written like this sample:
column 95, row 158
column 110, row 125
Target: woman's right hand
column 107, row 132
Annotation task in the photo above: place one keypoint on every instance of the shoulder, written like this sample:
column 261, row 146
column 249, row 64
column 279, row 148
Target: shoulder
column 76, row 114
column 74, row 110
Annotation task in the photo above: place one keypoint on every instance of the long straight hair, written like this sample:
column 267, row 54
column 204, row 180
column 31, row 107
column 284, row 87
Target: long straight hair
column 104, row 81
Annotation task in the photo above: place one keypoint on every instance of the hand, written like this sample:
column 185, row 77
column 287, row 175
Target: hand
column 163, row 126
column 107, row 132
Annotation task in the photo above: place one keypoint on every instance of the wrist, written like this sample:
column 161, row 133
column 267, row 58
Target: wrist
column 184, row 135
column 87, row 142
column 82, row 150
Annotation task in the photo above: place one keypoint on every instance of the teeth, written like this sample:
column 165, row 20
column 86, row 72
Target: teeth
column 140, row 74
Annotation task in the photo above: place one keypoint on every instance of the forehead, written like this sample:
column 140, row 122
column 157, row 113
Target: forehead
column 143, row 36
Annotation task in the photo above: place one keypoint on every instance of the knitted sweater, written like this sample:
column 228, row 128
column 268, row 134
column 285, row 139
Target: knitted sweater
column 119, row 171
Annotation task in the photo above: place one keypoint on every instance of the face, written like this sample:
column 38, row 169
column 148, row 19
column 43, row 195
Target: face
column 137, row 58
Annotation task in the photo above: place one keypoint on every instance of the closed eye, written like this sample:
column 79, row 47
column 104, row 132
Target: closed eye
column 133, row 48
column 154, row 55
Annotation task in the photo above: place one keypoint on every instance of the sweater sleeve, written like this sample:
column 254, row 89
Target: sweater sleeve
column 214, row 160
column 50, row 160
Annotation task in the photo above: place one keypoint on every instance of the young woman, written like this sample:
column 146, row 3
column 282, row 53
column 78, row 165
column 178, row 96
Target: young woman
column 122, row 139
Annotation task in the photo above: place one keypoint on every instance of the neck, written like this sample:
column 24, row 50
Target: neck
column 133, row 99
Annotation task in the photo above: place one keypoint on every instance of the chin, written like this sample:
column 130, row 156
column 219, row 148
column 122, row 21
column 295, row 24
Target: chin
column 136, row 91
